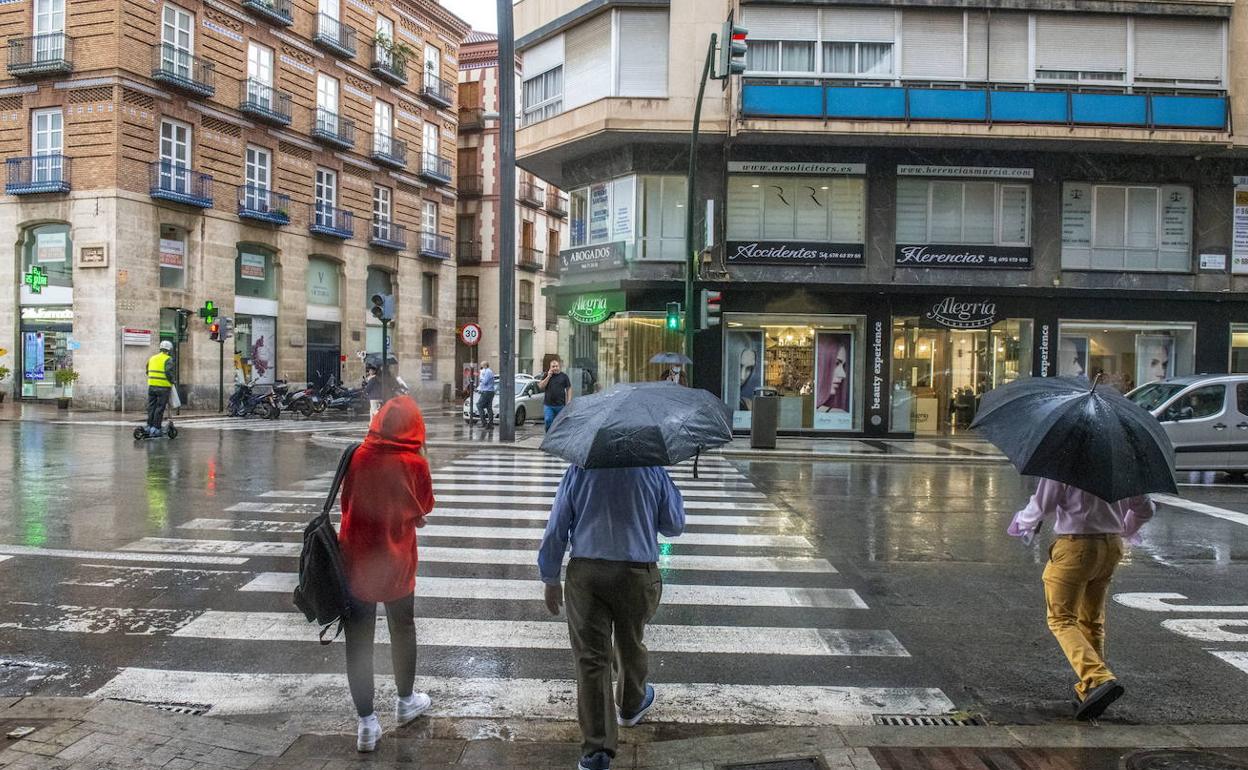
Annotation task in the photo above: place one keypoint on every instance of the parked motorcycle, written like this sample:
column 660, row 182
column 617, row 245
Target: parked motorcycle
column 247, row 402
column 349, row 400
column 299, row 401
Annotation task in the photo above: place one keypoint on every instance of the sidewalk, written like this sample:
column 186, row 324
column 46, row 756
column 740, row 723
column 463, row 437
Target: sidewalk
column 85, row 734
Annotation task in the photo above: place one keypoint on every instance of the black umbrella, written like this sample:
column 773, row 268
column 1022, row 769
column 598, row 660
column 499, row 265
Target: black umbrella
column 675, row 359
column 1088, row 436
column 637, row 425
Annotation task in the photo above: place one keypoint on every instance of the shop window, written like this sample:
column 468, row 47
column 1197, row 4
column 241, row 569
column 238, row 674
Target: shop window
column 1124, row 354
column 255, row 273
column 954, row 212
column 323, row 282
column 1239, row 349
column 617, row 350
column 1146, row 228
column 662, row 218
column 429, row 294
column 172, row 257
column 428, row 354
column 603, row 212
column 823, row 209
column 49, row 248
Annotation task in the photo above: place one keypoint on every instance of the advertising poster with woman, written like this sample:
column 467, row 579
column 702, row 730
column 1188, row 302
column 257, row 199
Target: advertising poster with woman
column 1154, row 358
column 834, row 354
column 743, row 372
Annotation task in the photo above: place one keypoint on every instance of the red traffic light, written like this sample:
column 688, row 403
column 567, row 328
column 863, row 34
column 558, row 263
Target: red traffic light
column 214, row 330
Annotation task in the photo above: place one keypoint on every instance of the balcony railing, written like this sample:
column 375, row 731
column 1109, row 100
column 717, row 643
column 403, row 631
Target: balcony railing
column 332, row 129
column 556, row 203
column 334, row 36
column 276, row 11
column 389, row 67
column 390, row 151
column 264, row 102
column 841, row 100
column 532, row 195
column 437, row 91
column 529, row 259
column 471, row 118
column 40, row 174
column 331, row 221
column 434, row 246
column 263, row 205
column 470, row 185
column 468, row 252
column 435, row 168
column 552, row 266
column 174, row 182
column 388, row 234
column 41, row 55
column 179, row 69
column 467, row 309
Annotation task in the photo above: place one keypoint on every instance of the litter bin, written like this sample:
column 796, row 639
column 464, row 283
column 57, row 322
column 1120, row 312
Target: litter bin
column 764, row 418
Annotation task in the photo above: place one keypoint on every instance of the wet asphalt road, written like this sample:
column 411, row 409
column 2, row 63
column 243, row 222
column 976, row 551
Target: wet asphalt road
column 922, row 545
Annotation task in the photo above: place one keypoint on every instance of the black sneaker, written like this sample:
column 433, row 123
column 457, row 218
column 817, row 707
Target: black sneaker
column 630, row 720
column 1098, row 700
column 599, row 760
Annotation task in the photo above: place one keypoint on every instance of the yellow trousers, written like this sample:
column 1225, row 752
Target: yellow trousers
column 1076, row 587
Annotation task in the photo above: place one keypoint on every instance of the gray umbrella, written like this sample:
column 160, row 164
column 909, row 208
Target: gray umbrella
column 1088, row 436
column 674, row 359
column 637, row 425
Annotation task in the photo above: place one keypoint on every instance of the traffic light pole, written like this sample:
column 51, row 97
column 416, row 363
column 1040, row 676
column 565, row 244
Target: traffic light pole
column 385, row 360
column 221, row 376
column 691, row 269
column 507, row 224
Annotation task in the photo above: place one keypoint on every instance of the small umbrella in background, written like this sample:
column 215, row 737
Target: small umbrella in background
column 1088, row 436
column 671, row 359
column 635, row 425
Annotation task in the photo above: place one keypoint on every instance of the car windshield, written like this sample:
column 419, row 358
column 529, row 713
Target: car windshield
column 1154, row 394
column 521, row 385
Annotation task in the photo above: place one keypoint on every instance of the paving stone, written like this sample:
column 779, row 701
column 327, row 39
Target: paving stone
column 1099, row 736
column 1214, row 736
column 505, row 754
column 739, row 747
column 205, row 730
column 985, row 737
column 43, row 707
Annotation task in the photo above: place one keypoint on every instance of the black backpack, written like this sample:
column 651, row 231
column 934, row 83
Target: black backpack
column 322, row 591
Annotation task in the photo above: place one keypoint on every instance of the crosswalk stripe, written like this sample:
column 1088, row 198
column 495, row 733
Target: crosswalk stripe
column 553, row 635
column 68, row 553
column 557, row 472
column 484, row 555
column 506, row 533
column 304, row 494
column 675, row 594
column 554, row 479
column 517, row 514
column 513, row 487
column 533, row 699
column 1237, row 658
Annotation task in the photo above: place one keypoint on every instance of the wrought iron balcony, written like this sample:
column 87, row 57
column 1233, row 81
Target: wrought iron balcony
column 436, row 91
column 276, row 11
column 51, row 54
column 532, row 195
column 435, row 168
column 388, row 234
column 331, row 221
column 471, row 118
column 179, row 69
column 389, row 151
column 470, row 185
column 388, row 67
column 264, row 102
column 468, row 252
column 40, row 174
column 177, row 183
column 556, row 203
column 334, row 36
column 434, row 246
column 263, row 205
column 530, row 259
column 332, row 129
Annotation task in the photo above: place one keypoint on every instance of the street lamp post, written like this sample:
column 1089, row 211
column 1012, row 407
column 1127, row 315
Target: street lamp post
column 507, row 223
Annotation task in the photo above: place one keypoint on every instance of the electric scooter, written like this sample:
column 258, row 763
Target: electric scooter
column 169, row 430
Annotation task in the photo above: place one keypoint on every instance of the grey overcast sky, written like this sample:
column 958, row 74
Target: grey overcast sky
column 481, row 14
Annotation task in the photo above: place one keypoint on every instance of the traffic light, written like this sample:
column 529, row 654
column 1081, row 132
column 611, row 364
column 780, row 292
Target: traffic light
column 710, row 308
column 227, row 328
column 673, row 316
column 383, row 307
column 732, row 49
column 214, row 331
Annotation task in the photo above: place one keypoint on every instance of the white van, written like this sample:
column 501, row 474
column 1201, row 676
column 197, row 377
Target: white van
column 1206, row 417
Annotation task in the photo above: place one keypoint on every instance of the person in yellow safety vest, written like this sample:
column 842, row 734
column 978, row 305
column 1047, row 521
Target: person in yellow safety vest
column 159, row 383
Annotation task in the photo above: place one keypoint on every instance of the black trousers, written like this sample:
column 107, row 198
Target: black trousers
column 157, row 398
column 401, row 618
column 485, row 407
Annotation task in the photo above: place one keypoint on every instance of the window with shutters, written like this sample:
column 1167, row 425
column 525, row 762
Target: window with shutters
column 1174, row 51
column 1145, row 228
column 800, row 208
column 956, row 212
column 1081, row 48
column 641, row 65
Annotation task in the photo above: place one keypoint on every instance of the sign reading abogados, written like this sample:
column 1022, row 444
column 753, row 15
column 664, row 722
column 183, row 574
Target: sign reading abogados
column 593, row 308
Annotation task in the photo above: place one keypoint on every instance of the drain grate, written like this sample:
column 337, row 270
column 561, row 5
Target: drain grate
column 186, row 709
column 960, row 719
column 1170, row 759
column 807, row 763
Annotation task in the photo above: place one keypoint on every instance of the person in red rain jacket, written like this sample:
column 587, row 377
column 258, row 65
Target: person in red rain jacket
column 386, row 494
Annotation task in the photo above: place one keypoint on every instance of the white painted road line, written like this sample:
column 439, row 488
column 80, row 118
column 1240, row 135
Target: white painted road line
column 438, row 489
column 534, row 699
column 553, row 635
column 735, row 477
column 1208, row 510
column 1160, row 602
column 5, row 558
column 1214, row 631
column 508, row 533
column 518, row 514
column 553, row 481
column 549, row 499
column 73, row 619
column 62, row 553
column 684, row 595
column 528, row 558
column 1237, row 658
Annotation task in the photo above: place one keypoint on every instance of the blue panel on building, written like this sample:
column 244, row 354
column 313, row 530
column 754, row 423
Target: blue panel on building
column 782, row 101
column 1029, row 107
column 1110, row 109
column 947, row 104
column 1190, row 111
column 867, row 102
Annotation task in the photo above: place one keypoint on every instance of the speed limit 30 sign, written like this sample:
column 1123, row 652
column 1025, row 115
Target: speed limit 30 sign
column 471, row 334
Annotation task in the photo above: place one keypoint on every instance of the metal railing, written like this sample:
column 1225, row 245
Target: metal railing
column 278, row 11
column 53, row 52
column 468, row 252
column 434, row 245
column 471, row 118
column 334, row 35
column 529, row 258
column 437, row 90
column 470, row 184
column 330, row 127
column 388, row 150
column 38, row 174
column 261, row 203
column 183, row 70
column 532, row 194
column 388, row 234
column 556, row 203
column 331, row 220
column 436, row 167
column 175, row 182
column 264, row 101
column 387, row 66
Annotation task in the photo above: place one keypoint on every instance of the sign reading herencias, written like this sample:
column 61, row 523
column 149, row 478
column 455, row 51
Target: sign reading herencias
column 948, row 256
column 794, row 253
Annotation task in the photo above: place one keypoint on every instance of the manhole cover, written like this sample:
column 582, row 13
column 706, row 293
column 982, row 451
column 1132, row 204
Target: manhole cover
column 1170, row 759
column 780, row 764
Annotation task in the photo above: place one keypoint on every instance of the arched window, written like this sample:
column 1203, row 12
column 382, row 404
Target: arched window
column 48, row 247
column 255, row 272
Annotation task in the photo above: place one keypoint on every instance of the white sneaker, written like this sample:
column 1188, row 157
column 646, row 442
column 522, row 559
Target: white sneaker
column 367, row 733
column 407, row 709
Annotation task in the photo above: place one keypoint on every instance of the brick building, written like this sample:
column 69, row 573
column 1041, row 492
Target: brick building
column 284, row 160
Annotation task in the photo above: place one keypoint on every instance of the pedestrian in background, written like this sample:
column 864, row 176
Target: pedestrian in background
column 557, row 387
column 386, row 494
column 1081, row 563
column 159, row 387
column 485, row 394
column 612, row 517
